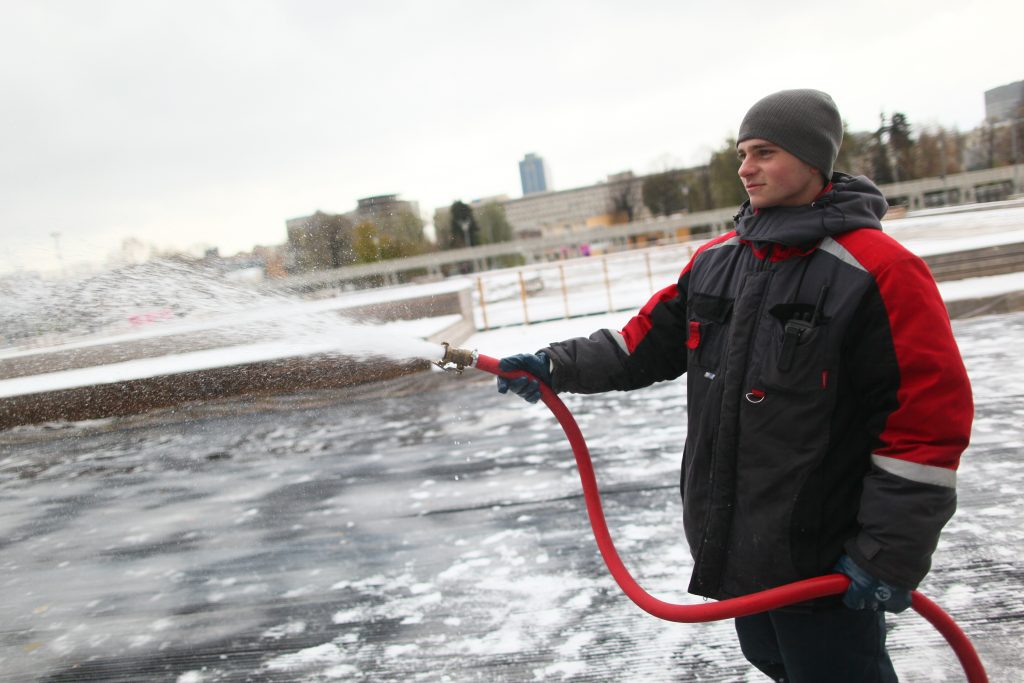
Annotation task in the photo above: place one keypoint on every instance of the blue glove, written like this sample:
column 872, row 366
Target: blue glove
column 867, row 592
column 535, row 364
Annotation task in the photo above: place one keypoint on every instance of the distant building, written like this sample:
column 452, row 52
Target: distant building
column 319, row 242
column 1005, row 102
column 323, row 241
column 382, row 209
column 481, row 202
column 568, row 211
column 273, row 259
column 391, row 216
column 534, row 174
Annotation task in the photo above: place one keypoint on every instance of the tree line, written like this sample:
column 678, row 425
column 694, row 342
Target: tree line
column 325, row 241
column 895, row 151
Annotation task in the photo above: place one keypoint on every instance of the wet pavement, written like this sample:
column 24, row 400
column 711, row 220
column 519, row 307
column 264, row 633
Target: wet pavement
column 425, row 529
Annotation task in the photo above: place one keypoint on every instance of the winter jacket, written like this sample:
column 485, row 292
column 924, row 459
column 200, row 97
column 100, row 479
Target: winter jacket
column 827, row 401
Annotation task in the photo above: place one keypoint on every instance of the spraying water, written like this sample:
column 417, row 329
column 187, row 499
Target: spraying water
column 168, row 317
column 163, row 298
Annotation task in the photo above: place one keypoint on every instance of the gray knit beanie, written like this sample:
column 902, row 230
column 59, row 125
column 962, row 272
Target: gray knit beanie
column 805, row 123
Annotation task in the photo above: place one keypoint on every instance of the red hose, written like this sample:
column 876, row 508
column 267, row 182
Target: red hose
column 832, row 584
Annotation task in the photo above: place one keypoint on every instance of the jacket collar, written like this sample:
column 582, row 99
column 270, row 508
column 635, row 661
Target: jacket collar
column 847, row 203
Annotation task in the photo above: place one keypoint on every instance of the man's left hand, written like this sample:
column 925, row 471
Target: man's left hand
column 868, row 592
column 536, row 364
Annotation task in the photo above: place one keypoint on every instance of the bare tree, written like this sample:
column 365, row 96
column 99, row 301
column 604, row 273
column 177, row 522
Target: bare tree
column 621, row 197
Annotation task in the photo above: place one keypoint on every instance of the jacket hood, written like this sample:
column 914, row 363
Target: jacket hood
column 853, row 202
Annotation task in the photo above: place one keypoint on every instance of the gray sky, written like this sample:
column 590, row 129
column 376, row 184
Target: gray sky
column 210, row 123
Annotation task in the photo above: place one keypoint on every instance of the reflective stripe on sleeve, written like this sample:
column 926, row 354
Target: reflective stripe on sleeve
column 924, row 474
column 830, row 246
column 734, row 240
column 620, row 340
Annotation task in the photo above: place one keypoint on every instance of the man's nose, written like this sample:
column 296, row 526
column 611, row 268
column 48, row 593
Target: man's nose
column 746, row 167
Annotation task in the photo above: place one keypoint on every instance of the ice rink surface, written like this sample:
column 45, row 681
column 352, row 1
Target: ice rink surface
column 427, row 529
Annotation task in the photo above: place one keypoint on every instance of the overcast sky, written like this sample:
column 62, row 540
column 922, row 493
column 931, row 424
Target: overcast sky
column 210, row 123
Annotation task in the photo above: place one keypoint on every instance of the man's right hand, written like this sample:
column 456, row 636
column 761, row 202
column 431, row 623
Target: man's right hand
column 535, row 364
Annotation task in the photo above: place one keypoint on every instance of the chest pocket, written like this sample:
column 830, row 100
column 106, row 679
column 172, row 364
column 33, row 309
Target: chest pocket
column 708, row 321
column 797, row 359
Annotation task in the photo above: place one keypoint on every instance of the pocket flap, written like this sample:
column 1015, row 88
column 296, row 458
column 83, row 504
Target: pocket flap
column 708, row 307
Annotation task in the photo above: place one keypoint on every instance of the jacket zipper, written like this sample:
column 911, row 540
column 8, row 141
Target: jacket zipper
column 761, row 267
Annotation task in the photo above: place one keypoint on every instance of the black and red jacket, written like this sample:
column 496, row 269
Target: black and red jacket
column 827, row 401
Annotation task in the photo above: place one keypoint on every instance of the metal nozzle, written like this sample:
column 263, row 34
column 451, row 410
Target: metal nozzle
column 456, row 360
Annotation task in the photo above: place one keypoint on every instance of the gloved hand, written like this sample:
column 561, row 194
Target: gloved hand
column 535, row 364
column 867, row 592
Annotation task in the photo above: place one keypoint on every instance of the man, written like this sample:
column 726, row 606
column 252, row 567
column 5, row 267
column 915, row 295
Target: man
column 827, row 401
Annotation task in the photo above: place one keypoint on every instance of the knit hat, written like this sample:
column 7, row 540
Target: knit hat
column 805, row 123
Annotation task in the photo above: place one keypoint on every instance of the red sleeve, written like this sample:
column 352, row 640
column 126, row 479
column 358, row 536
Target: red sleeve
column 640, row 324
column 931, row 422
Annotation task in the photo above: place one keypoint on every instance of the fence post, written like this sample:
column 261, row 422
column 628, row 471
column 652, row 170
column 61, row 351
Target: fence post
column 607, row 283
column 483, row 302
column 522, row 293
column 565, row 292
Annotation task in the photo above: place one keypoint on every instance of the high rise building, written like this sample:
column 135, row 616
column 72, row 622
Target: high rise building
column 534, row 174
column 1005, row 102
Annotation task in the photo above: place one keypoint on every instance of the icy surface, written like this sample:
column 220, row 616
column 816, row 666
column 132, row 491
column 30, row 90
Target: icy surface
column 426, row 529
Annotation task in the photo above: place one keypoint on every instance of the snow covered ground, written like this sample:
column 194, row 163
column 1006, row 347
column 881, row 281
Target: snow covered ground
column 426, row 529
column 429, row 529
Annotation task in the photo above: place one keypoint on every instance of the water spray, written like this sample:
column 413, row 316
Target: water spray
column 456, row 360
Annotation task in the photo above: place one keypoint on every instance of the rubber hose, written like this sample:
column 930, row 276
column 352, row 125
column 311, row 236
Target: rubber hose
column 773, row 598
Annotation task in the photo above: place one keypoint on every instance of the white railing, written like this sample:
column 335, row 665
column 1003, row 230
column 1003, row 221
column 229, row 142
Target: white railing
column 582, row 286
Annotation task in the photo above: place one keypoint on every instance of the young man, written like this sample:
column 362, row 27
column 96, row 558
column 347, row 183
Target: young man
column 827, row 401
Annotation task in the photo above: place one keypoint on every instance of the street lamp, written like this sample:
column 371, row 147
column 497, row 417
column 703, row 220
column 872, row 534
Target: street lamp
column 466, row 232
column 56, row 247
column 1016, row 154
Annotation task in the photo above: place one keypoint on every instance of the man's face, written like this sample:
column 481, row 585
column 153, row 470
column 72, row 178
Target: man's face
column 774, row 177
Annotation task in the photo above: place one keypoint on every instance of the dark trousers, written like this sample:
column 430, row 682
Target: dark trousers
column 837, row 645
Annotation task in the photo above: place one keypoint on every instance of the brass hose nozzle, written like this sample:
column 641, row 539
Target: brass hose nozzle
column 455, row 359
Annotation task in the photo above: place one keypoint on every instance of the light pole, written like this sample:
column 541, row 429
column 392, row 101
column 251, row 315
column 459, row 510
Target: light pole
column 56, row 247
column 1016, row 154
column 466, row 233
